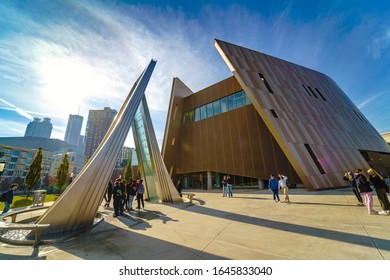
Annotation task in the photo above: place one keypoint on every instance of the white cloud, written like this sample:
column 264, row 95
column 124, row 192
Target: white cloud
column 369, row 100
column 380, row 45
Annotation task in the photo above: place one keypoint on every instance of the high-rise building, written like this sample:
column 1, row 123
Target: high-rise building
column 73, row 129
column 38, row 128
column 98, row 123
column 272, row 116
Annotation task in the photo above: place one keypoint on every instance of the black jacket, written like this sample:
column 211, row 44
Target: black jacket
column 362, row 183
column 377, row 182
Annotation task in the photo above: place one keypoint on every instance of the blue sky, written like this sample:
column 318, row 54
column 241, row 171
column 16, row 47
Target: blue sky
column 59, row 56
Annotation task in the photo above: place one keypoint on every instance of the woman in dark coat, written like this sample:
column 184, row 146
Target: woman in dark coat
column 380, row 187
column 365, row 189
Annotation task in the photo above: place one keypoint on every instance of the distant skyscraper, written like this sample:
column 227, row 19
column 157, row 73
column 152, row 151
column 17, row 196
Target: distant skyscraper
column 38, row 128
column 73, row 129
column 98, row 123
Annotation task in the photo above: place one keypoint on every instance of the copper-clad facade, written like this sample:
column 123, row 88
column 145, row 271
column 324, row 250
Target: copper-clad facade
column 298, row 122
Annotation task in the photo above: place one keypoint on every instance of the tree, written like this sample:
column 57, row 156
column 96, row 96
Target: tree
column 62, row 173
column 128, row 173
column 33, row 176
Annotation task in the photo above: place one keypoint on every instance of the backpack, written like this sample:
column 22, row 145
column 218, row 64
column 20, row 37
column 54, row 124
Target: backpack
column 3, row 196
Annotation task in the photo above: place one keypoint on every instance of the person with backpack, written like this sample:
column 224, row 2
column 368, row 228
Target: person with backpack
column 273, row 186
column 380, row 187
column 9, row 197
column 365, row 189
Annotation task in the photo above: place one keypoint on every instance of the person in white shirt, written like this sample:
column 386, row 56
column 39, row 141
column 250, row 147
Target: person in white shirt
column 283, row 186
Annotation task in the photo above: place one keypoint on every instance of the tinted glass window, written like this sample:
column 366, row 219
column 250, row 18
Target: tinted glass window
column 224, row 105
column 203, row 114
column 239, row 99
column 209, row 110
column 247, row 100
column 191, row 116
column 197, row 114
column 231, row 103
column 217, row 107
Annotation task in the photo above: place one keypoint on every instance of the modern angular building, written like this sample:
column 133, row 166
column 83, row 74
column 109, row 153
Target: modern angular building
column 73, row 129
column 38, row 128
column 98, row 123
column 271, row 116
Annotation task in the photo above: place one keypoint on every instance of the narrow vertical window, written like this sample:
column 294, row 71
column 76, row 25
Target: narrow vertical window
column 315, row 159
column 312, row 92
column 320, row 94
column 274, row 113
column 308, row 92
column 266, row 83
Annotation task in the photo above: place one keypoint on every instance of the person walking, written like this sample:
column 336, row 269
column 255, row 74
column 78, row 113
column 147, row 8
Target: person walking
column 352, row 184
column 229, row 183
column 365, row 189
column 283, row 185
column 273, row 186
column 9, row 197
column 140, row 195
column 380, row 187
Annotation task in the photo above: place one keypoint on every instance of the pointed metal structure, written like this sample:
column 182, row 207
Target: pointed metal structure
column 76, row 208
column 159, row 185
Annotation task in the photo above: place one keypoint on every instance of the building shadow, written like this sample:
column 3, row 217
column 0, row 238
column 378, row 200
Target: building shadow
column 383, row 244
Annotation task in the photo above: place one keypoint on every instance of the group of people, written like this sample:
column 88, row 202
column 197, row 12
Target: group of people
column 275, row 184
column 361, row 186
column 123, row 194
column 227, row 187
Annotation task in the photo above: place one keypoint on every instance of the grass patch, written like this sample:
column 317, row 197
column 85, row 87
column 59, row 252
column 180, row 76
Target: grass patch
column 21, row 201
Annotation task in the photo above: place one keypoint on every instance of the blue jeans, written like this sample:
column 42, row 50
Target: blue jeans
column 130, row 202
column 230, row 193
column 7, row 205
column 224, row 190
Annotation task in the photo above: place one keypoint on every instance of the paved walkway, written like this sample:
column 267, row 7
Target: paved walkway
column 323, row 225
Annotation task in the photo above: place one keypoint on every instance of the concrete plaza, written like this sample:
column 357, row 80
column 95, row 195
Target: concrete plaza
column 324, row 225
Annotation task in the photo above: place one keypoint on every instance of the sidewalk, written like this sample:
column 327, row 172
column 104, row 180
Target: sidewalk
column 324, row 225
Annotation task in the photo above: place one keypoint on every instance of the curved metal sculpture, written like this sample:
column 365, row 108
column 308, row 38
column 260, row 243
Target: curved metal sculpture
column 76, row 208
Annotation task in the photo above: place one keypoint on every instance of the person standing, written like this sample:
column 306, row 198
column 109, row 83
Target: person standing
column 365, row 189
column 179, row 187
column 131, row 193
column 273, row 186
column 108, row 194
column 352, row 183
column 118, row 193
column 283, row 185
column 9, row 197
column 224, row 186
column 229, row 183
column 140, row 195
column 380, row 187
